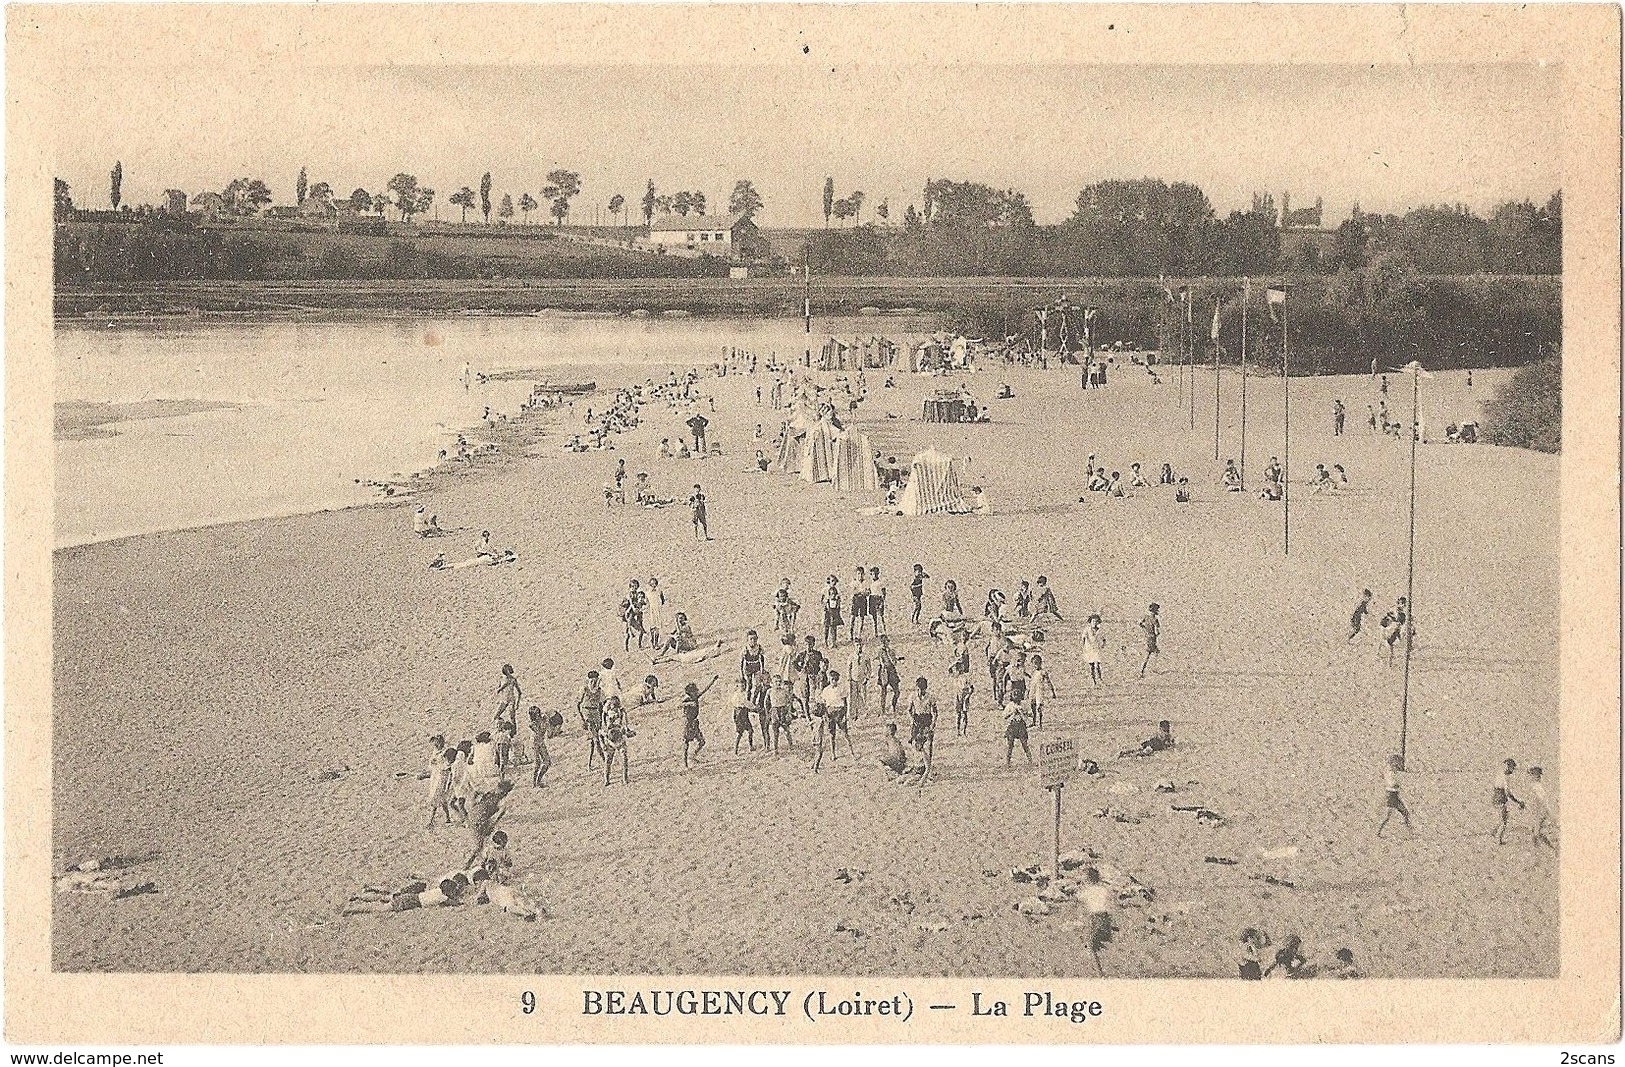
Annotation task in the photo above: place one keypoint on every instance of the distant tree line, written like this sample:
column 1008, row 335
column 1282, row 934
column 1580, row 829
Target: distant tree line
column 1148, row 227
column 1337, row 324
column 90, row 254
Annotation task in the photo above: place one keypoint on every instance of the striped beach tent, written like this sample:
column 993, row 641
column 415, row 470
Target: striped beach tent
column 855, row 463
column 933, row 486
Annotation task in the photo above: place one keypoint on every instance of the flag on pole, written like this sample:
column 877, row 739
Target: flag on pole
column 1276, row 294
column 1215, row 322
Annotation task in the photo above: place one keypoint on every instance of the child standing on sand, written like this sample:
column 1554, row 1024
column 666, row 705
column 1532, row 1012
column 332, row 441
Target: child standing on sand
column 916, row 589
column 440, row 782
column 886, row 674
column 542, row 760
column 1540, row 809
column 1502, row 796
column 692, row 734
column 832, row 611
column 1391, row 798
column 962, row 706
column 1093, row 647
column 1152, row 627
column 696, row 502
column 1015, row 729
column 744, row 729
column 877, row 601
column 1038, row 680
column 781, row 704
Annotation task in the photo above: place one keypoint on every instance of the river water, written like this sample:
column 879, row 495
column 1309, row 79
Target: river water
column 298, row 411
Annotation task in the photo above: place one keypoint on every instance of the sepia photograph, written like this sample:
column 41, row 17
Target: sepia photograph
column 765, row 511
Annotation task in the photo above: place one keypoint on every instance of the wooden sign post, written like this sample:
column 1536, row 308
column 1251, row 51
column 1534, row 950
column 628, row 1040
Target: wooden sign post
column 1057, row 763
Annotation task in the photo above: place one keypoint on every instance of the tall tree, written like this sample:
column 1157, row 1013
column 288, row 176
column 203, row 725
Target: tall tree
column 744, row 200
column 883, row 211
column 649, row 203
column 63, row 199
column 527, row 204
column 321, row 192
column 463, row 198
column 616, row 203
column 425, row 201
column 380, row 201
column 842, row 209
column 116, row 184
column 829, row 199
column 485, row 197
column 360, row 201
column 301, row 188
column 174, row 202
column 253, row 195
column 664, row 205
column 682, row 202
column 856, row 199
column 562, row 186
column 505, row 209
column 405, row 188
column 696, row 200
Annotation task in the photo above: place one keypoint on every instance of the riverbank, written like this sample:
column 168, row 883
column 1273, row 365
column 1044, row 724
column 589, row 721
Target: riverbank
column 250, row 702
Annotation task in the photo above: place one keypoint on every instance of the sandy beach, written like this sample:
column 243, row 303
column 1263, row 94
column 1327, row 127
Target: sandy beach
column 206, row 679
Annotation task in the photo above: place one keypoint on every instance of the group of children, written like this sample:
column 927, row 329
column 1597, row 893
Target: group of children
column 1394, row 623
column 1113, row 484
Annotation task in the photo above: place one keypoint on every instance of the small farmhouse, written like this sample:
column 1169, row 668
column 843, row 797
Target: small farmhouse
column 726, row 236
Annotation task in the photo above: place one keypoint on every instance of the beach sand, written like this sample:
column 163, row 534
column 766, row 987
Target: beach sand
column 205, row 680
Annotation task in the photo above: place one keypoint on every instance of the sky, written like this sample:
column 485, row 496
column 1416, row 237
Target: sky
column 1389, row 137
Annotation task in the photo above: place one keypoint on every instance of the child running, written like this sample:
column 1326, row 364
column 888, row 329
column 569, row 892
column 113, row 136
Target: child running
column 692, row 734
column 1391, row 798
column 1361, row 610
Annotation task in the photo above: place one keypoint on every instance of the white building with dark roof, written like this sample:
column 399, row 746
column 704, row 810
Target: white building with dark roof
column 725, row 236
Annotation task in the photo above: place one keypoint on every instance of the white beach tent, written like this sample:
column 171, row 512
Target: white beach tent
column 818, row 452
column 855, row 463
column 933, row 486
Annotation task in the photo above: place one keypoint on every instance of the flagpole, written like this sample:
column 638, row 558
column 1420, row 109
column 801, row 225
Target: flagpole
column 1190, row 358
column 1246, row 295
column 1286, row 444
column 1215, row 380
column 806, row 307
column 1410, row 568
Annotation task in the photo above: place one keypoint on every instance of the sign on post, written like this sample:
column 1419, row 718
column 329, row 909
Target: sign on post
column 1057, row 761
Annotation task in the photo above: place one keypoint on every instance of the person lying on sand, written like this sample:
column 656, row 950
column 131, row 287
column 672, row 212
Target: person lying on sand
column 439, row 562
column 697, row 655
column 373, row 899
column 1162, row 741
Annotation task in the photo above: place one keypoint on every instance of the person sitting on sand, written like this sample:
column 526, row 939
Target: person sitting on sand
column 1135, row 479
column 893, row 756
column 1167, row 475
column 1161, row 741
column 1253, row 943
column 1340, row 478
column 1115, row 487
column 1044, row 607
column 681, row 638
column 439, row 562
column 1232, row 477
column 950, row 600
column 1182, row 492
column 1289, row 960
column 426, row 525
column 1322, row 481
